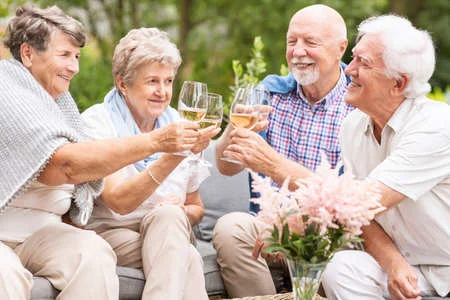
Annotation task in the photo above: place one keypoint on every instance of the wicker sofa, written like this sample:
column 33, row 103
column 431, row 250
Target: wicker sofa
column 220, row 195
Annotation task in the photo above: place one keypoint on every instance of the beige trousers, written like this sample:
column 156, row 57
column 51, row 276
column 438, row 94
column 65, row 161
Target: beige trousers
column 172, row 266
column 77, row 262
column 234, row 237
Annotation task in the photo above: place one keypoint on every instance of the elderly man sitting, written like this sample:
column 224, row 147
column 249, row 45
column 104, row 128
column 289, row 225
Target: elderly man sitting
column 401, row 139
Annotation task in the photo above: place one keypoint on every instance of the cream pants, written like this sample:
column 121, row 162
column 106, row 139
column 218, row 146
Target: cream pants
column 234, row 237
column 77, row 262
column 172, row 266
column 355, row 274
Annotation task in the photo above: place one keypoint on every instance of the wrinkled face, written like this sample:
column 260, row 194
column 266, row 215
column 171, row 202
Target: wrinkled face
column 369, row 86
column 312, row 52
column 150, row 93
column 55, row 67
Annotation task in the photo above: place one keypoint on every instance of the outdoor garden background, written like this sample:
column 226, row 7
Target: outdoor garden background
column 213, row 33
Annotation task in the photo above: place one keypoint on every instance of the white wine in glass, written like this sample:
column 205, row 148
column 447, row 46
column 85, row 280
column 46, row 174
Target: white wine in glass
column 244, row 111
column 192, row 113
column 192, row 104
column 214, row 112
column 243, row 120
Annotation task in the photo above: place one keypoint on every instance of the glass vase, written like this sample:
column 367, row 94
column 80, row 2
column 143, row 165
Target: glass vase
column 305, row 278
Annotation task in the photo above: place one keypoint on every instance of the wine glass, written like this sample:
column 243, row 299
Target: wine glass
column 192, row 104
column 245, row 110
column 213, row 117
column 214, row 112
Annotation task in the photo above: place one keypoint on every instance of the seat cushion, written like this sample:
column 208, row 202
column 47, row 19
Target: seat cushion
column 132, row 280
column 221, row 195
column 213, row 280
column 42, row 289
column 131, row 283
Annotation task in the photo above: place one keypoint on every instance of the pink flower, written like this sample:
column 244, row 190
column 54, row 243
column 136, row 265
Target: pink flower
column 325, row 200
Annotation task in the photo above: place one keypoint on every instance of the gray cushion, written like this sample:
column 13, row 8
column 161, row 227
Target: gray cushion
column 131, row 283
column 220, row 195
column 42, row 289
column 213, row 280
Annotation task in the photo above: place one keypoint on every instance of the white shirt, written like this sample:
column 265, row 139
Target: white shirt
column 39, row 206
column 185, row 178
column 413, row 159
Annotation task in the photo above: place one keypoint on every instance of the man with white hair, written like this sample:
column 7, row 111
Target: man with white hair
column 402, row 140
column 307, row 111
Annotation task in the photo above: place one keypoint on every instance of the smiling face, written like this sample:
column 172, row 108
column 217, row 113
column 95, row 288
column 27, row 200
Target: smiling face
column 150, row 93
column 314, row 47
column 370, row 88
column 55, row 67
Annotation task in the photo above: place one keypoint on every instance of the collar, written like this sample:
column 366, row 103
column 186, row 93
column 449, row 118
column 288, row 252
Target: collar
column 397, row 120
column 330, row 99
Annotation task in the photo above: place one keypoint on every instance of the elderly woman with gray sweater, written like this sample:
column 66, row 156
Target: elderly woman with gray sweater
column 48, row 166
column 147, row 219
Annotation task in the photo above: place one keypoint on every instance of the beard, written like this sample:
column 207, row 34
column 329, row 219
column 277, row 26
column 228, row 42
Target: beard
column 304, row 77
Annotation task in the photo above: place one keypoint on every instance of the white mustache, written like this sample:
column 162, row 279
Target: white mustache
column 302, row 61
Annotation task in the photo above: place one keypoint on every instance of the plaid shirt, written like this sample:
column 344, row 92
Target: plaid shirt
column 298, row 131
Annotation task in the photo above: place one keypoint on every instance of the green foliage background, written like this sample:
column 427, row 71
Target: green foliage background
column 212, row 34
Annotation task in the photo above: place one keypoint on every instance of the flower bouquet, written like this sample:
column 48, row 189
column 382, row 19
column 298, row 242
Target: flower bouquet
column 309, row 224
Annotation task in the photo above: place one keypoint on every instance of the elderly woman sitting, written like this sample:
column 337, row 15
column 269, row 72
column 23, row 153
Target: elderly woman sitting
column 132, row 212
column 47, row 166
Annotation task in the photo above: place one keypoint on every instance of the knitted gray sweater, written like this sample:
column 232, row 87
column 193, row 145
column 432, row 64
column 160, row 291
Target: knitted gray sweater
column 33, row 126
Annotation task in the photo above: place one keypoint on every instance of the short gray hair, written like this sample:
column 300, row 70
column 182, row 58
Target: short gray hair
column 37, row 26
column 140, row 47
column 407, row 50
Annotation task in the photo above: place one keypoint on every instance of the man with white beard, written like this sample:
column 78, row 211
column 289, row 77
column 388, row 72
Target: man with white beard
column 307, row 111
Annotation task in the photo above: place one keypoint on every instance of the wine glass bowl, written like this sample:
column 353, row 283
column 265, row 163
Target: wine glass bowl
column 214, row 112
column 192, row 104
column 244, row 111
column 193, row 100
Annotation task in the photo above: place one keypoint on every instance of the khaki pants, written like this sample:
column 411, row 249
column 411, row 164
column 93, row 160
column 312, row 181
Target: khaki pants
column 77, row 262
column 172, row 266
column 234, row 237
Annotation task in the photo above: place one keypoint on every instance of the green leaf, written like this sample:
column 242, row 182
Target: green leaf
column 285, row 234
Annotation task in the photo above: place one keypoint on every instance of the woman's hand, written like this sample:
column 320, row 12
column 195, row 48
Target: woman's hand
column 205, row 136
column 193, row 207
column 176, row 137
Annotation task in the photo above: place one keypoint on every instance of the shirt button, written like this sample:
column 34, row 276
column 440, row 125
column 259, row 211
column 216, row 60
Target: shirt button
column 407, row 254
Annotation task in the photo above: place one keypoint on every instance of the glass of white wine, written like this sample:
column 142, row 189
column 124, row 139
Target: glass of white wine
column 244, row 111
column 192, row 104
column 213, row 117
column 214, row 112
column 193, row 100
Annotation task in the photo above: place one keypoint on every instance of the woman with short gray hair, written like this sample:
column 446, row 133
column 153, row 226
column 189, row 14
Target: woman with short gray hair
column 48, row 166
column 147, row 209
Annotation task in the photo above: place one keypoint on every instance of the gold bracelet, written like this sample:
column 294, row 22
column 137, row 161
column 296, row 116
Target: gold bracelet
column 153, row 177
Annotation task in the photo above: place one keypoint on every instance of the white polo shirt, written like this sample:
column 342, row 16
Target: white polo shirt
column 413, row 159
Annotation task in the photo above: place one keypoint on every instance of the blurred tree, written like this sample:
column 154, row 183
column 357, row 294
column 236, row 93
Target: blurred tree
column 211, row 34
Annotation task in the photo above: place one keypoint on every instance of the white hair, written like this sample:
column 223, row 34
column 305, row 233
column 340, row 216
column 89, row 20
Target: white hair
column 142, row 46
column 407, row 50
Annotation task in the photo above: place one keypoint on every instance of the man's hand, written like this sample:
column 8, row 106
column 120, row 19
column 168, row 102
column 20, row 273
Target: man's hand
column 252, row 151
column 262, row 124
column 205, row 136
column 402, row 281
column 273, row 259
